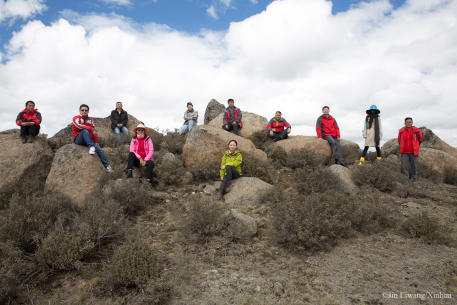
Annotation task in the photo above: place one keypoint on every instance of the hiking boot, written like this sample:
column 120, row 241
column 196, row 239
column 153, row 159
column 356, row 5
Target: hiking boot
column 379, row 159
column 219, row 195
column 228, row 186
column 30, row 140
column 108, row 169
column 92, row 150
column 24, row 139
column 128, row 174
column 343, row 164
column 362, row 159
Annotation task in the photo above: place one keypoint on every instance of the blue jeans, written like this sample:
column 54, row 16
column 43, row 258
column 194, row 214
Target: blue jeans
column 187, row 126
column 118, row 130
column 84, row 139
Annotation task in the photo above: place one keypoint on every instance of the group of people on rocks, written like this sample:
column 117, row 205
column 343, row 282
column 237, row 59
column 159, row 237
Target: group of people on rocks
column 142, row 148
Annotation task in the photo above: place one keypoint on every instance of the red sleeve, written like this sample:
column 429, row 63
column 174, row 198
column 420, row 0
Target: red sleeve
column 79, row 126
column 420, row 136
column 37, row 120
column 19, row 118
column 318, row 127
column 399, row 137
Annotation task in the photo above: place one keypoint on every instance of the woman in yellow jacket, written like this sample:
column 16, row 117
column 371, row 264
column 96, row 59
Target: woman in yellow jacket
column 230, row 167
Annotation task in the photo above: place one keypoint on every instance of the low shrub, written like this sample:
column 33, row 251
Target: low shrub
column 169, row 172
column 111, row 141
column 157, row 138
column 320, row 180
column 277, row 155
column 350, row 155
column 253, row 167
column 137, row 264
column 132, row 195
column 173, row 142
column 450, row 176
column 260, row 138
column 298, row 158
column 206, row 171
column 378, row 175
column 205, row 216
column 421, row 225
column 426, row 171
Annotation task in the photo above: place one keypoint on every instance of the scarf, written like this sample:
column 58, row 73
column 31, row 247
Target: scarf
column 231, row 153
column 369, row 119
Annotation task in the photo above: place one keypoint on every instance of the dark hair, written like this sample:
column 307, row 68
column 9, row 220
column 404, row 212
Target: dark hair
column 233, row 141
column 408, row 118
column 326, row 107
column 26, row 103
column 83, row 105
column 230, row 100
column 279, row 112
column 119, row 103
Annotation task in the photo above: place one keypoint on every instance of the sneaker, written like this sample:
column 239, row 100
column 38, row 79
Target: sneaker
column 229, row 186
column 24, row 139
column 92, row 150
column 109, row 169
column 30, row 140
column 219, row 195
column 128, row 174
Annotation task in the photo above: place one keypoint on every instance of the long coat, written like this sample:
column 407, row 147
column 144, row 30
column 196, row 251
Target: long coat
column 368, row 134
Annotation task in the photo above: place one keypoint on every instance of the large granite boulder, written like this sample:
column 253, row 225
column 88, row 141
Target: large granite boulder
column 247, row 191
column 103, row 126
column 213, row 109
column 437, row 159
column 240, row 225
column 206, row 145
column 346, row 183
column 75, row 173
column 251, row 123
column 17, row 159
column 321, row 148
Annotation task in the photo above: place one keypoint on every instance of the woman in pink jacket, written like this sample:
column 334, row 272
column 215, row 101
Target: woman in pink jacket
column 141, row 151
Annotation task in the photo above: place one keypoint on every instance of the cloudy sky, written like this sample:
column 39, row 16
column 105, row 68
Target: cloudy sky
column 288, row 55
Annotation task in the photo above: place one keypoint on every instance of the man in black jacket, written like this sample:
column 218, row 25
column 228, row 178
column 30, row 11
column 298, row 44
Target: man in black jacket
column 119, row 119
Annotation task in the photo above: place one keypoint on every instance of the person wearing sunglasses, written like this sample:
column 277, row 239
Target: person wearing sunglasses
column 84, row 133
column 141, row 151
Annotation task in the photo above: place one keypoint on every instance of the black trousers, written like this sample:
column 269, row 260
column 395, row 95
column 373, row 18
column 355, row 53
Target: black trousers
column 232, row 126
column 365, row 150
column 231, row 173
column 134, row 161
column 279, row 135
column 29, row 130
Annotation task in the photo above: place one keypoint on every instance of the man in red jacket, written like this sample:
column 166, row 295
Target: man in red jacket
column 84, row 133
column 278, row 128
column 410, row 139
column 327, row 129
column 29, row 119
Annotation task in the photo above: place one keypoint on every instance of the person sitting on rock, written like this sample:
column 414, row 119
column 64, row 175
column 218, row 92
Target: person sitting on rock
column 372, row 132
column 119, row 120
column 410, row 139
column 276, row 127
column 232, row 117
column 190, row 119
column 84, row 133
column 327, row 129
column 29, row 119
column 141, row 151
column 230, row 167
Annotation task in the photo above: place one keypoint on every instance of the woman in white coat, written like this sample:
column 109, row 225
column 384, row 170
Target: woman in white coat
column 372, row 132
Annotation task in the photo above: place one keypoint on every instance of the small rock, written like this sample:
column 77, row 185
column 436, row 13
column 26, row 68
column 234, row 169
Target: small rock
column 274, row 179
column 187, row 178
column 247, row 191
column 241, row 225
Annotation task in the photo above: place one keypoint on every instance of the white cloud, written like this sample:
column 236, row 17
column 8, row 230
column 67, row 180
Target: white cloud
column 212, row 12
column 12, row 9
column 294, row 57
column 118, row 2
column 226, row 2
column 254, row 1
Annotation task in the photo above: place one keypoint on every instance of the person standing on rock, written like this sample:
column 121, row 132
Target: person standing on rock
column 141, row 151
column 84, row 133
column 119, row 119
column 276, row 127
column 230, row 167
column 190, row 119
column 29, row 119
column 327, row 129
column 372, row 132
column 410, row 139
column 232, row 117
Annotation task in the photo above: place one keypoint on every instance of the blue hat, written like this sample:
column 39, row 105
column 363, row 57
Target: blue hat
column 373, row 107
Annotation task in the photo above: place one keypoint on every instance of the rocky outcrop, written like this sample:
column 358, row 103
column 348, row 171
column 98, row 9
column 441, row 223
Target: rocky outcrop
column 247, row 191
column 345, row 181
column 213, row 109
column 251, row 123
column 206, row 145
column 321, row 148
column 240, row 225
column 103, row 126
column 75, row 173
column 17, row 158
column 349, row 146
column 437, row 160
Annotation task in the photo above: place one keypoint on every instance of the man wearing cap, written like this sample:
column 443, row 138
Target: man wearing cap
column 327, row 129
column 119, row 119
column 84, row 133
column 190, row 119
column 278, row 128
column 29, row 119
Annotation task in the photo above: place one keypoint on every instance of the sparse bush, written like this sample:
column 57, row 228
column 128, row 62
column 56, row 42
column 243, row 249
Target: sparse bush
column 205, row 216
column 426, row 171
column 308, row 222
column 350, row 155
column 157, row 138
column 277, row 155
column 260, row 138
column 307, row 180
column 132, row 195
column 422, row 226
column 252, row 167
column 206, row 171
column 173, row 142
column 111, row 141
column 379, row 175
column 450, row 176
column 298, row 158
column 170, row 171
column 136, row 263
